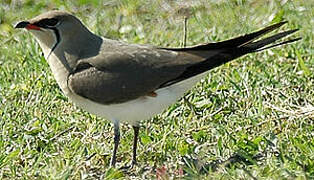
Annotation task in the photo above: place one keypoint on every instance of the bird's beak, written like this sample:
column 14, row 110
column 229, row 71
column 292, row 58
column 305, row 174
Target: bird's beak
column 27, row 25
column 22, row 24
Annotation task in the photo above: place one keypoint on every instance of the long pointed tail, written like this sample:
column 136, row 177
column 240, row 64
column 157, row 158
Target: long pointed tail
column 219, row 53
column 260, row 45
column 244, row 40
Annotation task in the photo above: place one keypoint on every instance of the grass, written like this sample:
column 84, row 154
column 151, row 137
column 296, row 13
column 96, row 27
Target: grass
column 248, row 119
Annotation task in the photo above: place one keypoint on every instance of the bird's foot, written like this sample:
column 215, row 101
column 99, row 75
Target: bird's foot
column 128, row 167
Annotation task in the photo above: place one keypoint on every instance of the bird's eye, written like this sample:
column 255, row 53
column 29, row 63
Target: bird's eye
column 48, row 22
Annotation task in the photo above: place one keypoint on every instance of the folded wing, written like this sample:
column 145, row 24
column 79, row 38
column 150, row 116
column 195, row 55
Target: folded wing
column 126, row 72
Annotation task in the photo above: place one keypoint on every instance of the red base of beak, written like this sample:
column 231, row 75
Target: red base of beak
column 33, row 27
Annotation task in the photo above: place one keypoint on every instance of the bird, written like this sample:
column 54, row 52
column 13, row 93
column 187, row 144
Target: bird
column 129, row 83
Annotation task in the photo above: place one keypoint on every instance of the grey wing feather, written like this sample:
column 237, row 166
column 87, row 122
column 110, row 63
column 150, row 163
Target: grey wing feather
column 123, row 72
column 116, row 77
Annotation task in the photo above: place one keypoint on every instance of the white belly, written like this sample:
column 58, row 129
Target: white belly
column 139, row 109
column 132, row 111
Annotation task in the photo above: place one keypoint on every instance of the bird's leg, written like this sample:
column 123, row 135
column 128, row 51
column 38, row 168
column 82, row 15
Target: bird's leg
column 133, row 163
column 136, row 131
column 116, row 143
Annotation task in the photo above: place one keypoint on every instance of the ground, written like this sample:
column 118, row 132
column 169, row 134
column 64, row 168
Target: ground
column 248, row 119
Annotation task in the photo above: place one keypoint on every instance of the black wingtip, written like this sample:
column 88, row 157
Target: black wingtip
column 279, row 24
column 293, row 30
column 278, row 44
column 260, row 45
column 297, row 39
column 255, row 35
column 283, row 22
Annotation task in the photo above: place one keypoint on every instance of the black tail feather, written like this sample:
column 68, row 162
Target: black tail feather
column 235, row 42
column 258, row 45
column 245, row 39
column 219, row 53
column 278, row 44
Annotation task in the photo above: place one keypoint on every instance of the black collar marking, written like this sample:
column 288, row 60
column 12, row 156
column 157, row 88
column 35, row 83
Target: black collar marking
column 55, row 30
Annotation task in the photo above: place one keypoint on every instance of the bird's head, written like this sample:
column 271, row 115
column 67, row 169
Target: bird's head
column 53, row 27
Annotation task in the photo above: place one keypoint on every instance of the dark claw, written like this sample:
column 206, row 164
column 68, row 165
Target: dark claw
column 128, row 167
